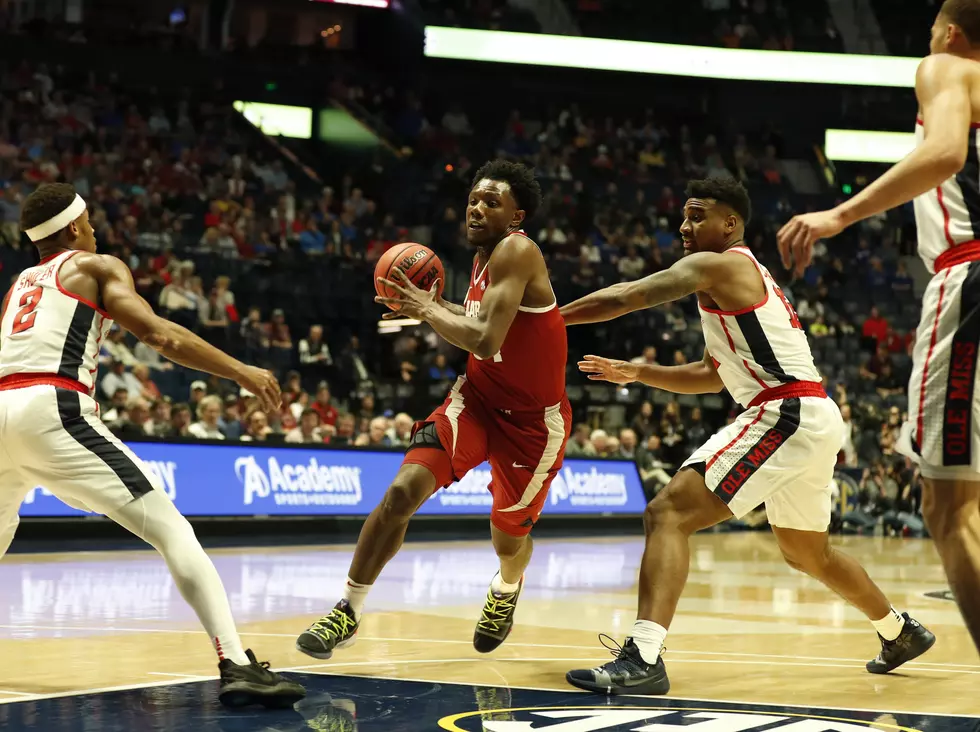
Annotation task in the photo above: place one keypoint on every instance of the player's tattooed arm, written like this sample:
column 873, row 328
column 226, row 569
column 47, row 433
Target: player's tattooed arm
column 694, row 272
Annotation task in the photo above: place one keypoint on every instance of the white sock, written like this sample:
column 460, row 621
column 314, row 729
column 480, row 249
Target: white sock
column 499, row 587
column 156, row 520
column 890, row 626
column 649, row 638
column 355, row 593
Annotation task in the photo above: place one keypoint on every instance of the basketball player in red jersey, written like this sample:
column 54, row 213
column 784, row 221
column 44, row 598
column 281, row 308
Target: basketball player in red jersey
column 942, row 177
column 510, row 408
column 52, row 323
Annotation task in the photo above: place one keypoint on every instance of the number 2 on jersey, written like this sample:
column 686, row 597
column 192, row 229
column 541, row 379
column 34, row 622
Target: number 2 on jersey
column 24, row 319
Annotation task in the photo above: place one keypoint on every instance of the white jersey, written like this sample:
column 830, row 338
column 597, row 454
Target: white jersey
column 758, row 348
column 45, row 329
column 949, row 215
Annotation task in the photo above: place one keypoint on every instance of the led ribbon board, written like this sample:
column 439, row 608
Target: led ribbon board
column 606, row 54
column 867, row 146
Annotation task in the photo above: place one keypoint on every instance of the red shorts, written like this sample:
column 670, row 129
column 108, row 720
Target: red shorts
column 525, row 451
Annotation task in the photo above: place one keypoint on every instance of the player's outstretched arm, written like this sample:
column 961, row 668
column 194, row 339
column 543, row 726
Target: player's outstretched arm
column 510, row 269
column 692, row 273
column 174, row 342
column 693, row 378
column 942, row 86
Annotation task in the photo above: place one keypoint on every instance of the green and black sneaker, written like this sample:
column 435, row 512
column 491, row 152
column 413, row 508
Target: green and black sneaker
column 497, row 620
column 338, row 629
column 241, row 686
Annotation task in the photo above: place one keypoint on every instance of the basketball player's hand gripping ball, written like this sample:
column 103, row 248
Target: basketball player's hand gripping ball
column 410, row 301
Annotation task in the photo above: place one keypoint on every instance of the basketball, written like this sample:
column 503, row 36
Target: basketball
column 419, row 263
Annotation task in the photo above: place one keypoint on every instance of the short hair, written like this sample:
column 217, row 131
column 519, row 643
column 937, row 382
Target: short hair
column 723, row 189
column 523, row 185
column 965, row 14
column 47, row 201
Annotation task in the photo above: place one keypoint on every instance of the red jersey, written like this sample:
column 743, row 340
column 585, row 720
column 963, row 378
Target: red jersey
column 528, row 373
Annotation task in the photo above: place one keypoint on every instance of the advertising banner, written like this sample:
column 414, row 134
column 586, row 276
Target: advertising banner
column 244, row 479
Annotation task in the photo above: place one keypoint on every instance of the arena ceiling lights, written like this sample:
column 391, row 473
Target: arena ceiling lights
column 278, row 119
column 862, row 146
column 604, row 54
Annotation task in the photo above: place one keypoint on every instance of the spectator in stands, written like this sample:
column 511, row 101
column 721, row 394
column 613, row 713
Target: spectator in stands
column 875, row 364
column 819, row 328
column 901, row 282
column 323, row 405
column 440, row 370
column 147, row 388
column 580, row 444
column 875, row 328
column 368, row 408
column 177, row 300
column 887, row 383
column 312, row 241
column 600, row 443
column 376, row 436
column 627, row 444
column 653, row 469
column 180, row 421
column 257, row 427
column 672, row 435
column 231, row 422
column 159, row 422
column 118, row 378
column 116, row 348
column 400, row 431
column 643, row 423
column 132, row 426
column 631, row 265
column 208, row 414
column 199, row 390
column 314, row 356
column 345, row 430
column 280, row 341
column 648, row 357
column 308, row 429
column 697, row 431
column 255, row 337
column 214, row 320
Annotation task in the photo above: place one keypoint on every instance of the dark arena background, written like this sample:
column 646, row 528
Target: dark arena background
column 251, row 160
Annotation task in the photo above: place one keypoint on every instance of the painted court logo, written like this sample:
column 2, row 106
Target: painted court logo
column 653, row 719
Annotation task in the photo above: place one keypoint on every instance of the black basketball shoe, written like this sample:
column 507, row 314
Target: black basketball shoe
column 912, row 642
column 627, row 674
column 338, row 629
column 497, row 619
column 256, row 684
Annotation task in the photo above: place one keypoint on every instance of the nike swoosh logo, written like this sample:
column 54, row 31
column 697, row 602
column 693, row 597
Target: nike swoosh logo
column 526, row 467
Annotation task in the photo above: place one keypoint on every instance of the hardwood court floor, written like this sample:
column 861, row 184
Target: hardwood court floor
column 748, row 629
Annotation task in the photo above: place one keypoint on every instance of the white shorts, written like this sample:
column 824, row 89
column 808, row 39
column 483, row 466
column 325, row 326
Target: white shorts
column 781, row 453
column 943, row 430
column 53, row 438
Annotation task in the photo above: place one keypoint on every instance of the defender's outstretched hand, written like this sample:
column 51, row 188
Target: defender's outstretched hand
column 607, row 369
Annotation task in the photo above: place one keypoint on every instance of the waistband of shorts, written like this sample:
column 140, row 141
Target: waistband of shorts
column 794, row 390
column 22, row 381
column 968, row 251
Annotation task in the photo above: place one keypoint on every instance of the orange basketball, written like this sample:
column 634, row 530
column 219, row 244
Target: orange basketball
column 419, row 263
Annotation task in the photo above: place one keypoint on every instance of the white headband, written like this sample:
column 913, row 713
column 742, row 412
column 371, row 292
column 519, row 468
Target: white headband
column 56, row 223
